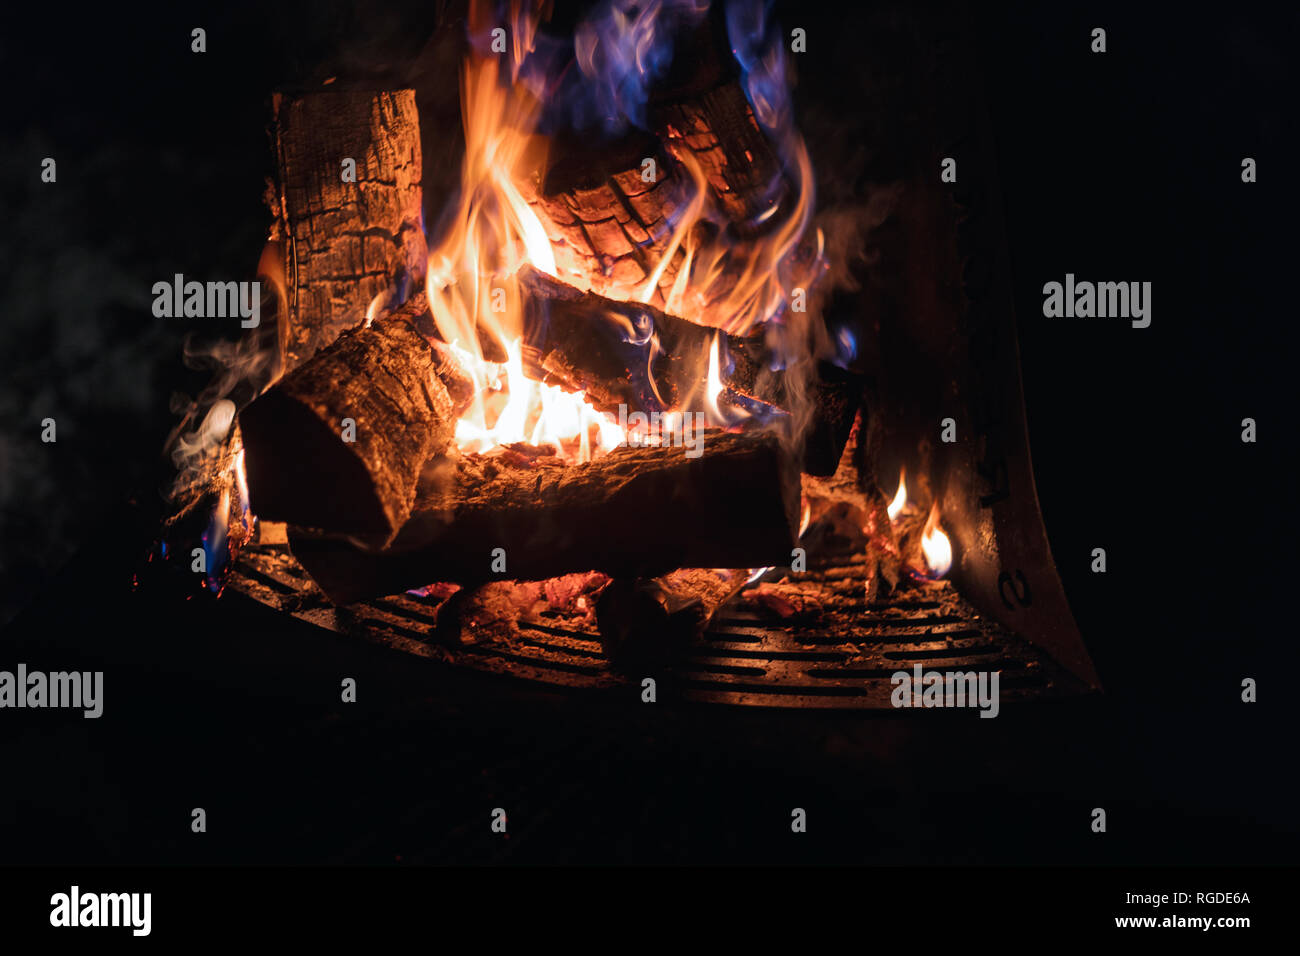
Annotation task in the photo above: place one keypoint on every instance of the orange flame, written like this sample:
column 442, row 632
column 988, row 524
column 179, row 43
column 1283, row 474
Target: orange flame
column 935, row 545
column 498, row 226
column 472, row 285
column 737, row 285
column 900, row 497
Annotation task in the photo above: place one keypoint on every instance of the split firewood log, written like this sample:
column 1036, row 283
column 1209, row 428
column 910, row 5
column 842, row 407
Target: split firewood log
column 636, row 512
column 631, row 354
column 339, row 443
column 347, row 203
column 609, row 214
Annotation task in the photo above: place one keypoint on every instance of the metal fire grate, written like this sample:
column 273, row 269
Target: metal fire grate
column 843, row 659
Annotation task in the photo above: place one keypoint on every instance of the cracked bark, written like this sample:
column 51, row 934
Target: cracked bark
column 386, row 378
column 345, row 243
column 736, row 505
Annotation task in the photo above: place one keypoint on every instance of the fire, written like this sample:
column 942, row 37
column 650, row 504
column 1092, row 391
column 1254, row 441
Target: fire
column 935, row 545
column 936, row 549
column 900, row 498
column 735, row 285
column 713, row 385
column 471, row 282
column 221, row 540
column 683, row 228
column 529, row 411
column 721, row 280
column 241, row 484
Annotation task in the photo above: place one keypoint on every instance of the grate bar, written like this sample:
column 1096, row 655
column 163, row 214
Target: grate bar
column 843, row 659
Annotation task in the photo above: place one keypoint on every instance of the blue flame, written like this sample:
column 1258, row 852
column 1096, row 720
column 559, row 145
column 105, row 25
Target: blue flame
column 214, row 550
column 846, row 346
column 757, row 47
column 623, row 47
column 601, row 77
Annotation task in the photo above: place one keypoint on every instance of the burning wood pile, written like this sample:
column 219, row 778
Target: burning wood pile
column 603, row 380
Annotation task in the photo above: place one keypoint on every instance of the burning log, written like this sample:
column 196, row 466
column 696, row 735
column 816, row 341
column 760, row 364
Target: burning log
column 627, row 353
column 652, row 622
column 635, row 512
column 609, row 216
column 609, row 212
column 717, row 127
column 848, row 513
column 701, row 108
column 618, row 353
column 209, row 502
column 349, row 231
column 339, row 442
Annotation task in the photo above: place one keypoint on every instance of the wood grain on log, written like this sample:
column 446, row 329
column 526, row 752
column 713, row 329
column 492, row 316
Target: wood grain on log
column 345, row 243
column 717, row 127
column 610, row 218
column 636, row 512
column 301, row 467
column 610, row 226
column 627, row 353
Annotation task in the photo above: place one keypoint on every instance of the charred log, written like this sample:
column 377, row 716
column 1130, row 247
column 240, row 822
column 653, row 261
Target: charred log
column 701, row 108
column 718, row 130
column 609, row 214
column 636, row 512
column 626, row 353
column 345, row 242
column 339, row 443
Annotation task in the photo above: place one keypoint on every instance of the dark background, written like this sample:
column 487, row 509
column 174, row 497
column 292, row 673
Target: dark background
column 1122, row 166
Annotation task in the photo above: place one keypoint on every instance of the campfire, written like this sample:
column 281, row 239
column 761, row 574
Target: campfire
column 593, row 388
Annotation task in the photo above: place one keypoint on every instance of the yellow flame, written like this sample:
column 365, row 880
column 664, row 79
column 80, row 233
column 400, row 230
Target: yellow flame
column 900, row 498
column 472, row 286
column 684, row 225
column 935, row 545
column 529, row 411
column 713, row 385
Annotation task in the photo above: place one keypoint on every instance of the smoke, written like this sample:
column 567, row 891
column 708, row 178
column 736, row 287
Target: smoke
column 240, row 371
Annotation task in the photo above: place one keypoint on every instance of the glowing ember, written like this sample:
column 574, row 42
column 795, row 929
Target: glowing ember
column 935, row 545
